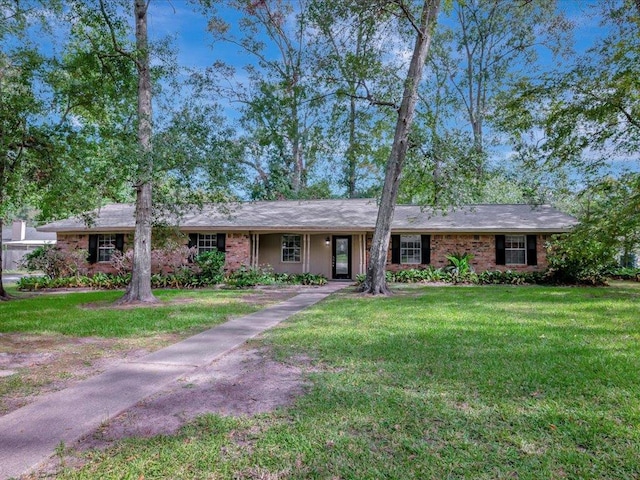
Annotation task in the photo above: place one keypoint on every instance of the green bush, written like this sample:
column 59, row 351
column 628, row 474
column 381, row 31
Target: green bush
column 509, row 277
column 577, row 259
column 211, row 265
column 460, row 268
column 307, row 279
column 250, row 277
column 624, row 273
column 30, row 284
column 54, row 262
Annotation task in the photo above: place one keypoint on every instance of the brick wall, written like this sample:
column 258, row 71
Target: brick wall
column 238, row 251
column 70, row 243
column 482, row 247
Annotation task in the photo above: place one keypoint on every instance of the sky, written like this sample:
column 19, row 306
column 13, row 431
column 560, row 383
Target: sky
column 178, row 18
column 196, row 49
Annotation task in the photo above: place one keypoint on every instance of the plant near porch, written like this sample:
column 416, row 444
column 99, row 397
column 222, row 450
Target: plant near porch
column 459, row 268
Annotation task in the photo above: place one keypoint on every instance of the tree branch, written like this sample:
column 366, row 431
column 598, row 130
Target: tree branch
column 114, row 39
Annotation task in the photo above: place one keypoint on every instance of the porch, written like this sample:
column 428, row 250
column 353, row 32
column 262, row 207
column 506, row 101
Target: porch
column 338, row 256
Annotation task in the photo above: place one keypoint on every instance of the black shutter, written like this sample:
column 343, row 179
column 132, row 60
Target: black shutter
column 193, row 240
column 532, row 251
column 426, row 249
column 395, row 248
column 93, row 249
column 500, row 255
column 120, row 242
column 221, row 244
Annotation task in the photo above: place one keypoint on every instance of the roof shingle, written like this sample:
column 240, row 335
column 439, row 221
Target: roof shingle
column 335, row 215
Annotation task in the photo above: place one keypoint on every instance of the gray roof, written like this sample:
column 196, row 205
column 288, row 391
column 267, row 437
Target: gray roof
column 31, row 234
column 353, row 215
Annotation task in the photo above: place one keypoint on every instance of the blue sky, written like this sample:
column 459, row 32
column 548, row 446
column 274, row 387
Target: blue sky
column 196, row 49
column 179, row 18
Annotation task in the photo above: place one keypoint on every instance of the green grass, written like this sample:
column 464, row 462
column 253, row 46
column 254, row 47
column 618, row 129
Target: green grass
column 452, row 382
column 90, row 313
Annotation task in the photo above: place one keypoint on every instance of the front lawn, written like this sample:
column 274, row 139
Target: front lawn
column 48, row 341
column 432, row 383
column 84, row 314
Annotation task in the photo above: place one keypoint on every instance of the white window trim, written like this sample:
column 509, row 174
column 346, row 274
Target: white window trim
column 102, row 240
column 413, row 249
column 207, row 249
column 508, row 249
column 298, row 247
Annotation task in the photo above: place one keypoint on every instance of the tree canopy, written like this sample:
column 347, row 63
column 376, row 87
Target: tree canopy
column 301, row 100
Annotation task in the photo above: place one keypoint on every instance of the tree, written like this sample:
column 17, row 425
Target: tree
column 280, row 108
column 27, row 140
column 353, row 63
column 172, row 158
column 101, row 57
column 94, row 90
column 375, row 282
column 139, row 288
column 23, row 145
column 582, row 121
column 478, row 52
column 494, row 44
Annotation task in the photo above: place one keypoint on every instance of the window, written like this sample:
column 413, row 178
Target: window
column 515, row 250
column 411, row 249
column 207, row 242
column 106, row 247
column 291, row 248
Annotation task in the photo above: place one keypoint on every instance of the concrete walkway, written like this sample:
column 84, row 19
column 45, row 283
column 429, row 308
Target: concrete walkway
column 29, row 435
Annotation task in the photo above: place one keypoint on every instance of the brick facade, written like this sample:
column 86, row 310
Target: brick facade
column 80, row 241
column 238, row 251
column 482, row 247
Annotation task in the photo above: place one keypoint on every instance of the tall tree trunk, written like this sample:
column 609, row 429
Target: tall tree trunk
column 352, row 149
column 352, row 154
column 139, row 290
column 375, row 282
column 3, row 293
column 298, row 182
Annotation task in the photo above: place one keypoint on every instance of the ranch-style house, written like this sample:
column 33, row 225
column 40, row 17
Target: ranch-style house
column 332, row 237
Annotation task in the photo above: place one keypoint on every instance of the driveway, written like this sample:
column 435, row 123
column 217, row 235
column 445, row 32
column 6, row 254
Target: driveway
column 8, row 278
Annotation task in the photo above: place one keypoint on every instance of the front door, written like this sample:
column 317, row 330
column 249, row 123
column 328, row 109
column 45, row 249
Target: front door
column 341, row 260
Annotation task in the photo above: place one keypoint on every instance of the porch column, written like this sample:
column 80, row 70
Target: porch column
column 255, row 250
column 363, row 253
column 306, row 252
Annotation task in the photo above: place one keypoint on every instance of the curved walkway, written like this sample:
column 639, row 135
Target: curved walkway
column 29, row 435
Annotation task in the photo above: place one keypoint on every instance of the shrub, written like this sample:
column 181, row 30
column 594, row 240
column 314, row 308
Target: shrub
column 416, row 275
column 31, row 284
column 211, row 265
column 170, row 258
column 307, row 279
column 576, row 259
column 624, row 273
column 56, row 263
column 508, row 277
column 250, row 277
column 459, row 267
